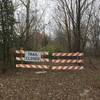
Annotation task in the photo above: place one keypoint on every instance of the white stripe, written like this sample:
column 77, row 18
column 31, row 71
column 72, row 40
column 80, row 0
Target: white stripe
column 56, row 54
column 54, row 67
column 65, row 67
column 45, row 53
column 20, row 58
column 69, row 54
column 45, row 60
column 81, row 67
column 70, row 67
column 68, row 61
column 59, row 67
column 17, row 58
column 62, row 61
column 28, row 66
column 64, row 54
column 79, row 61
column 57, row 61
column 74, row 61
column 53, row 61
column 21, row 65
column 17, row 65
column 81, row 54
column 76, row 67
column 17, row 52
column 39, row 66
column 53, row 54
column 75, row 54
column 22, row 51
column 33, row 66
column 46, row 67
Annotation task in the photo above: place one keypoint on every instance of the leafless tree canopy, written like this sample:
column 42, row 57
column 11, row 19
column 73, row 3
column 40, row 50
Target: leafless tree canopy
column 74, row 26
column 76, row 18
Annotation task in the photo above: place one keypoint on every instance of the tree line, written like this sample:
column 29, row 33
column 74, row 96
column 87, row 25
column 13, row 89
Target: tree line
column 22, row 24
column 78, row 24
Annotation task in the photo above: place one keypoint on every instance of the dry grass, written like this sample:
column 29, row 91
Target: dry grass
column 27, row 85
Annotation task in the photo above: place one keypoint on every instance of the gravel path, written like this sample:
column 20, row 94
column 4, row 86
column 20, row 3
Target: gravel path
column 27, row 85
column 32, row 85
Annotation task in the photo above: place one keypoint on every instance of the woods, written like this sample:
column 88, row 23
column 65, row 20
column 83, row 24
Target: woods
column 74, row 18
column 75, row 23
column 7, row 32
column 49, row 49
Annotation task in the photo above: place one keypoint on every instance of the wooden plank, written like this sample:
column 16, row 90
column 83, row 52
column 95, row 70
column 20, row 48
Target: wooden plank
column 32, row 66
column 67, row 67
column 23, row 59
column 67, row 61
column 68, row 54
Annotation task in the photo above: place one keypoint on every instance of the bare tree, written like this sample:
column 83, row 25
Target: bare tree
column 31, row 22
column 73, row 13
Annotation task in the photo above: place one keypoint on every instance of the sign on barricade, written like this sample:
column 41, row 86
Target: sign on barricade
column 32, row 56
column 50, row 61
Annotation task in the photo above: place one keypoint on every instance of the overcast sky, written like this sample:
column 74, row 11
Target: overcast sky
column 49, row 5
column 41, row 4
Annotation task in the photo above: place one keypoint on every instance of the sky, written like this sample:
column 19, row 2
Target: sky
column 49, row 12
column 50, row 6
column 41, row 4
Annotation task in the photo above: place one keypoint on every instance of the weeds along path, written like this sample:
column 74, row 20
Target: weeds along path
column 27, row 85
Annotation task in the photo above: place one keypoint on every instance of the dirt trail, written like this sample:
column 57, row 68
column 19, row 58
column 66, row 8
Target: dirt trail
column 27, row 85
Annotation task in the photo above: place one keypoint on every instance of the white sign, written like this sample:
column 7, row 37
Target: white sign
column 32, row 56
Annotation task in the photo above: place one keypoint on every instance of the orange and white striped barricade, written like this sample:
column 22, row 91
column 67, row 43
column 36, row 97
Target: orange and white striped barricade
column 25, row 64
column 68, row 61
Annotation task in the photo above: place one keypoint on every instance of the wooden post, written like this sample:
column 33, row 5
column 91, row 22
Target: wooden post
column 21, row 54
column 50, row 60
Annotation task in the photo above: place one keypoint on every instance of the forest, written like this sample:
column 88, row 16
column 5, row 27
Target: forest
column 74, row 26
column 55, row 28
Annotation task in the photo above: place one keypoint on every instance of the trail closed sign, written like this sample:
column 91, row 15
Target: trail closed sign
column 32, row 56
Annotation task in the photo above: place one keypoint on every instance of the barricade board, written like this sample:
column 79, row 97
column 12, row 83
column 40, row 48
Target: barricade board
column 49, row 61
column 32, row 56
